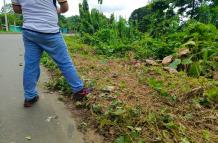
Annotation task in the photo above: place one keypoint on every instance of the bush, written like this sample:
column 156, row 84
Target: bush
column 201, row 39
column 148, row 47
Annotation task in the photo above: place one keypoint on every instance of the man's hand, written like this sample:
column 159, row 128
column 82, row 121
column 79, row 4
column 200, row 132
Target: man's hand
column 58, row 10
column 17, row 8
column 63, row 6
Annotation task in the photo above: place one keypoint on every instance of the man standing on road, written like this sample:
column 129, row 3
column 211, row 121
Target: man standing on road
column 41, row 33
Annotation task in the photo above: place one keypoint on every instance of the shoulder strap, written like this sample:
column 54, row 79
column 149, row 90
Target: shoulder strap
column 55, row 3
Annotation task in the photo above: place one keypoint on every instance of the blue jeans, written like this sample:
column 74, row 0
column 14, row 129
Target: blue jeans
column 35, row 43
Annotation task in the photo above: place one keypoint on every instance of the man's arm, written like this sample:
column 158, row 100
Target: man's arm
column 63, row 6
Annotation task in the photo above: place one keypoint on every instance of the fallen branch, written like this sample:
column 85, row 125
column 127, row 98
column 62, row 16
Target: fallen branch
column 194, row 92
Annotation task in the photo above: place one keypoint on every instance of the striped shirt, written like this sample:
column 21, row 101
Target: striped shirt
column 39, row 15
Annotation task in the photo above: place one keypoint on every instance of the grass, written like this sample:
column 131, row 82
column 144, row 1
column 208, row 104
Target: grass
column 4, row 32
column 134, row 103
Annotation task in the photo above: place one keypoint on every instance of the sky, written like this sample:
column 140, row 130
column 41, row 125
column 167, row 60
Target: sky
column 118, row 7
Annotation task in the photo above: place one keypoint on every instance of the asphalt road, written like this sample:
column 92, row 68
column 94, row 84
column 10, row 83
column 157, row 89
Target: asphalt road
column 47, row 122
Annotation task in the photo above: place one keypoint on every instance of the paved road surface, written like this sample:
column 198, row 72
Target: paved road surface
column 16, row 123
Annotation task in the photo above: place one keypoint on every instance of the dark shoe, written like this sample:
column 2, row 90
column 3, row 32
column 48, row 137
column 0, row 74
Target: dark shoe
column 82, row 94
column 29, row 103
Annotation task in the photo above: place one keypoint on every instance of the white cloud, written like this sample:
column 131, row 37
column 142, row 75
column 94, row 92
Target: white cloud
column 118, row 7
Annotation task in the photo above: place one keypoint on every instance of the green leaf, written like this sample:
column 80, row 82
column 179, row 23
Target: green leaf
column 157, row 85
column 175, row 63
column 185, row 140
column 171, row 125
column 96, row 108
column 212, row 94
column 206, row 135
column 205, row 55
column 120, row 139
column 141, row 141
column 164, row 93
column 187, row 61
column 134, row 134
column 105, row 122
column 130, row 127
column 190, row 43
column 195, row 70
column 119, row 112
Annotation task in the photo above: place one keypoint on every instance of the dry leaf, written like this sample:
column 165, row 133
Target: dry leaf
column 167, row 60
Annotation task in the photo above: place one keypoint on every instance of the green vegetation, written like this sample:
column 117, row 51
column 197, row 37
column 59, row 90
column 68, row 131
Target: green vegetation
column 164, row 15
column 13, row 19
column 141, row 101
column 134, row 103
column 156, row 31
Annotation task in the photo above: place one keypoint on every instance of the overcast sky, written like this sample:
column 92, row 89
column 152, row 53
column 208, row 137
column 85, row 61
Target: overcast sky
column 118, row 7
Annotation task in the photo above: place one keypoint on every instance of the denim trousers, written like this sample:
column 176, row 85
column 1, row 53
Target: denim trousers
column 35, row 44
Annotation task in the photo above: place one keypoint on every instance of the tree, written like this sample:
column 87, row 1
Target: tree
column 85, row 6
column 7, row 9
column 62, row 21
column 157, row 16
column 91, row 22
column 100, row 1
column 154, row 18
column 85, row 20
column 73, row 23
column 13, row 18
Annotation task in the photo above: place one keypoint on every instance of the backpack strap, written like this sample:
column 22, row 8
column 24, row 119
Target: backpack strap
column 55, row 3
